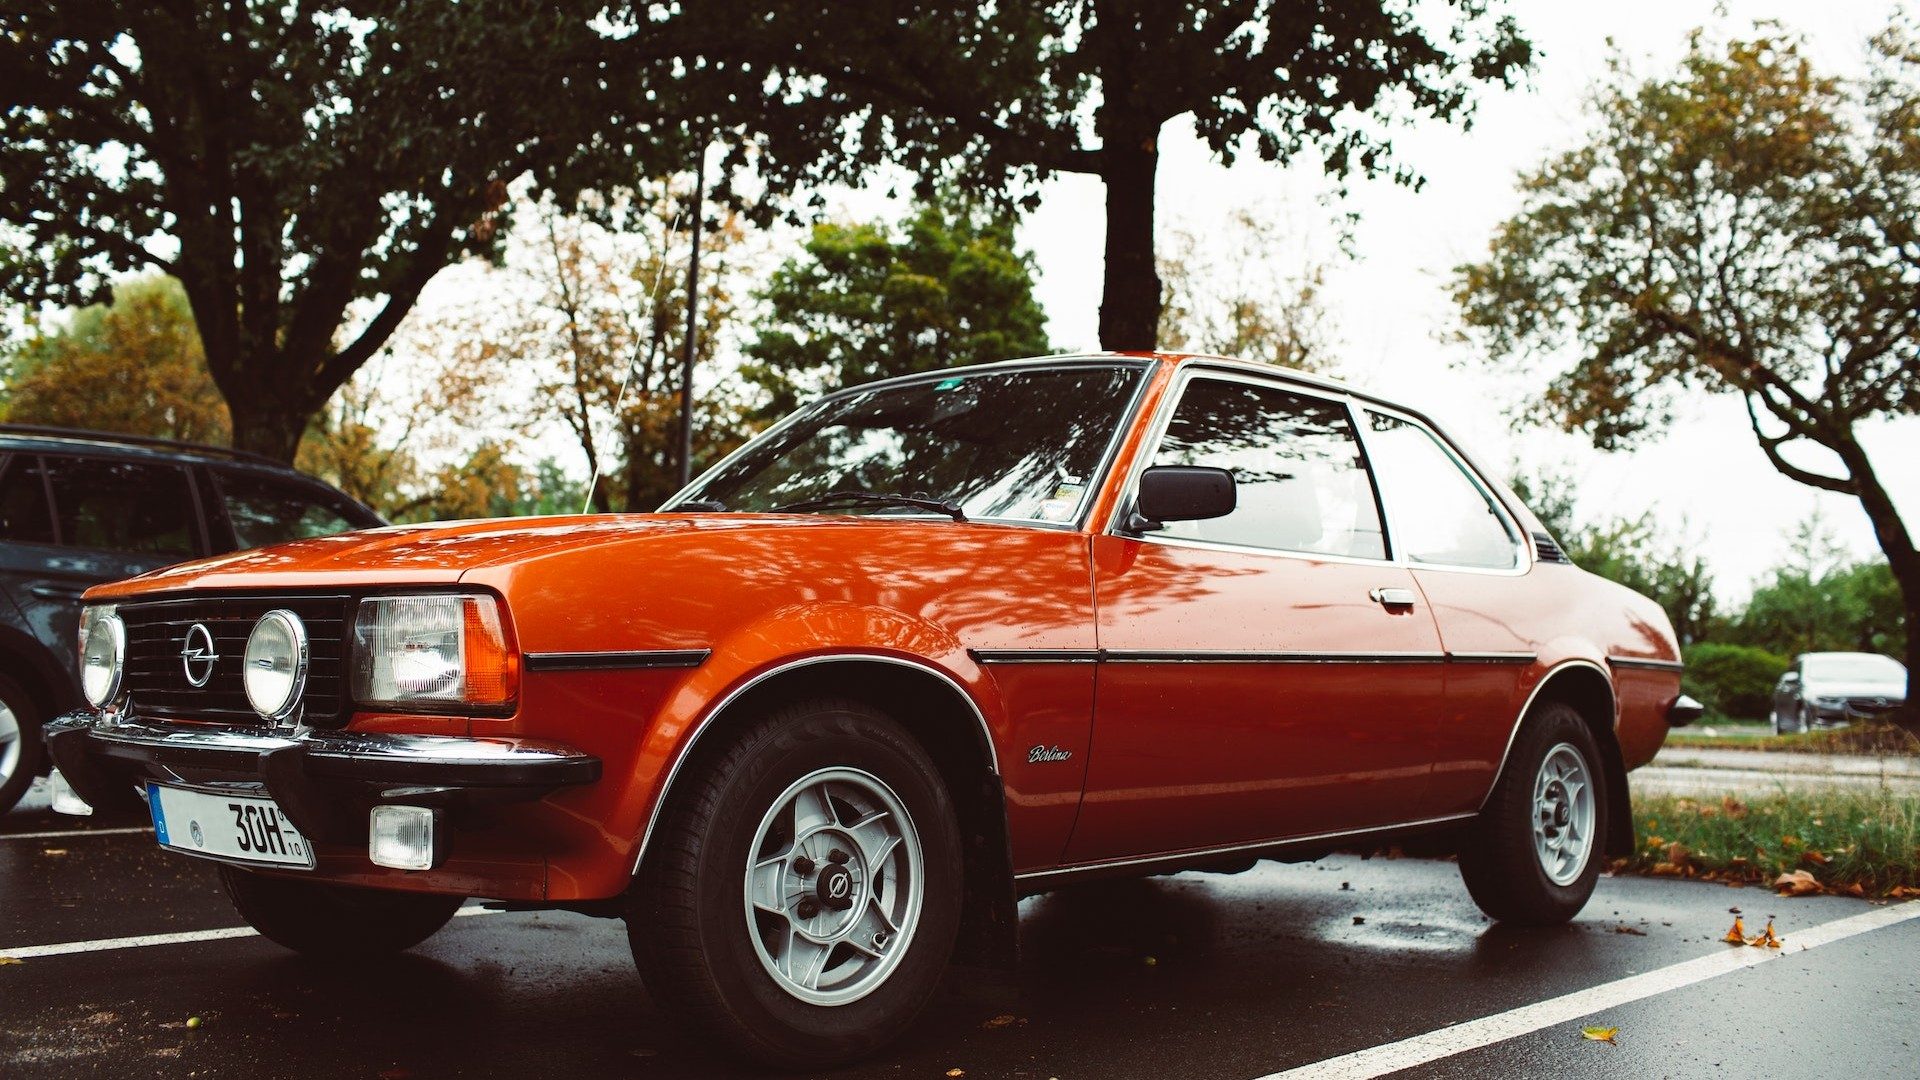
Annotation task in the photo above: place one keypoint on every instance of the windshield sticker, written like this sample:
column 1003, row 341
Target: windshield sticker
column 1062, row 503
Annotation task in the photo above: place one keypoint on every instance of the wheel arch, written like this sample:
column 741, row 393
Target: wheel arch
column 947, row 722
column 1587, row 687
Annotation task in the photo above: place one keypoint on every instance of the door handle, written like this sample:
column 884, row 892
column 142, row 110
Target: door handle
column 1392, row 598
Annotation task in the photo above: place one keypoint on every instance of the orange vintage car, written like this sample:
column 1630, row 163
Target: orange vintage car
column 924, row 647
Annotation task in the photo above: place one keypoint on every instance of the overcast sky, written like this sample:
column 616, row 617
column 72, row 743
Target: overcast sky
column 1390, row 304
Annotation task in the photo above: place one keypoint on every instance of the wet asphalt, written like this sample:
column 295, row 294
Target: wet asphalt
column 1227, row 977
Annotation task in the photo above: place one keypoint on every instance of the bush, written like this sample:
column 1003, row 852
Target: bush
column 1733, row 680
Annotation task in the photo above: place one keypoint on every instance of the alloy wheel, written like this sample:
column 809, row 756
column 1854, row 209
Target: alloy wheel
column 1563, row 814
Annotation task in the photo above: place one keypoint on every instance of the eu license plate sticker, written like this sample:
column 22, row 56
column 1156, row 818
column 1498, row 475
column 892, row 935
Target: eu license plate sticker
column 236, row 828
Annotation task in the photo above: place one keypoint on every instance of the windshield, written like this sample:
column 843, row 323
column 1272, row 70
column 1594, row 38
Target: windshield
column 1853, row 667
column 1021, row 445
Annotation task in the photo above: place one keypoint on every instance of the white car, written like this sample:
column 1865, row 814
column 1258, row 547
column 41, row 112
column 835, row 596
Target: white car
column 1833, row 689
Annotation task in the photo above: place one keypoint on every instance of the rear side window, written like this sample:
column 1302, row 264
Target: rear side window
column 1299, row 475
column 125, row 506
column 1441, row 516
column 24, row 516
column 265, row 511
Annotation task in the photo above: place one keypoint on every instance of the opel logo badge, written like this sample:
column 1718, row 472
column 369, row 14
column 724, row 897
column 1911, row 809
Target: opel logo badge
column 197, row 656
column 837, row 888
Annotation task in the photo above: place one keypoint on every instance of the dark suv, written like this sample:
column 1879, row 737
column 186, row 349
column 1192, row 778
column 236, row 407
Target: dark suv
column 80, row 507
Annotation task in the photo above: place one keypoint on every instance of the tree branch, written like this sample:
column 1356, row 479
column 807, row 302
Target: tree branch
column 1770, row 445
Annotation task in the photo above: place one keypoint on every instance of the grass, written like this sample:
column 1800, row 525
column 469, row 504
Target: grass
column 1863, row 843
column 1864, row 739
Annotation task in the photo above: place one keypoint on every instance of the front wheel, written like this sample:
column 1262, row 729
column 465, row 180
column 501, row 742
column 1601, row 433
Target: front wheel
column 21, row 750
column 1534, row 856
column 335, row 922
column 800, row 897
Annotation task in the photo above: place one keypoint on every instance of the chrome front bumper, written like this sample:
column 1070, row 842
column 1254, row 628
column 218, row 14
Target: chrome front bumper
column 324, row 780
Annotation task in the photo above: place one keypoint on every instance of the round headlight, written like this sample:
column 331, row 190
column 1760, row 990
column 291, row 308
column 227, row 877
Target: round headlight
column 276, row 664
column 103, row 650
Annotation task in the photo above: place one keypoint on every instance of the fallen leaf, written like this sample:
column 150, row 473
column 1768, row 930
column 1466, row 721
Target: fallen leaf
column 1733, row 807
column 1856, row 889
column 1623, row 929
column 1359, row 920
column 1678, row 854
column 192, row 1022
column 1003, row 1020
column 1797, row 883
column 1766, row 939
column 53, row 851
column 1814, row 858
column 956, row 1072
column 1599, row 1034
column 5, row 960
column 1150, row 961
column 1737, row 935
column 1899, row 892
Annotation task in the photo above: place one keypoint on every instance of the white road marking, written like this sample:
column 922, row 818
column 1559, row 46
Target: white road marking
column 63, row 834
column 34, row 952
column 1487, row 1030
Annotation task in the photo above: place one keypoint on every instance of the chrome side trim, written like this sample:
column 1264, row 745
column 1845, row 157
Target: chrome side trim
column 616, row 661
column 1035, row 656
column 1258, row 845
column 1491, row 657
column 707, row 718
column 1647, row 664
column 1143, row 656
column 354, row 745
column 1528, row 706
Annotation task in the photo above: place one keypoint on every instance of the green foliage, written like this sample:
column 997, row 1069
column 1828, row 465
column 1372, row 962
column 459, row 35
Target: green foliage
column 871, row 300
column 304, row 168
column 1732, row 680
column 1843, row 837
column 133, row 366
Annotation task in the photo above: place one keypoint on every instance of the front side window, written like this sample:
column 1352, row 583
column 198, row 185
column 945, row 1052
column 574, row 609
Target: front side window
column 1441, row 515
column 264, row 511
column 1021, row 445
column 23, row 503
column 1300, row 479
column 125, row 506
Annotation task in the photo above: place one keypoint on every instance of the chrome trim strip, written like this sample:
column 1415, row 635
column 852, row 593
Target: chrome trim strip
column 414, row 749
column 1491, row 657
column 706, row 721
column 616, row 661
column 1035, row 656
column 1646, row 663
column 1528, row 706
column 1145, row 656
column 1259, row 845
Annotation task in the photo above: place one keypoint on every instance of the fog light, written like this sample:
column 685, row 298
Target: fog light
column 65, row 799
column 404, row 837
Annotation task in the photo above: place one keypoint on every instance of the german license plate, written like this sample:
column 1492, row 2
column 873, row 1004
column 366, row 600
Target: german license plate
column 236, row 828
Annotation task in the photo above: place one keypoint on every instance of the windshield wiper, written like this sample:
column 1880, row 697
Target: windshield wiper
column 872, row 498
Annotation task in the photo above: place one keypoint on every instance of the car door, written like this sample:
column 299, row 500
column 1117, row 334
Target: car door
column 1467, row 556
column 1269, row 674
column 107, row 519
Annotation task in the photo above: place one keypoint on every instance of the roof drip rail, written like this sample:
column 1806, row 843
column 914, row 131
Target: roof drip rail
column 112, row 437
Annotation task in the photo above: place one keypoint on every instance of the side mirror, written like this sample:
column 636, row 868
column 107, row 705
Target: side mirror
column 1791, row 678
column 1181, row 493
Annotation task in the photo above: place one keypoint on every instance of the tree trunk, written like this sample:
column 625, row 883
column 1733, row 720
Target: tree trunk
column 1130, row 298
column 1902, row 558
column 267, row 427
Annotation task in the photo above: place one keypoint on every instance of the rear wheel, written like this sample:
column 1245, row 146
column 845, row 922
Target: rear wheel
column 1534, row 855
column 22, row 753
column 335, row 921
column 801, row 895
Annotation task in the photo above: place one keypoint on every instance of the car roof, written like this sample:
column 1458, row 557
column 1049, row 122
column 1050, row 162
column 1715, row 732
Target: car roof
column 30, row 438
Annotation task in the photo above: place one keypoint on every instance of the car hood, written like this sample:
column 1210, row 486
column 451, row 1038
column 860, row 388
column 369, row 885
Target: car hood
column 1891, row 689
column 439, row 553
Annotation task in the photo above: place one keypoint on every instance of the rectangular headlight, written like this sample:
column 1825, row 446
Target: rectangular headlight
column 436, row 652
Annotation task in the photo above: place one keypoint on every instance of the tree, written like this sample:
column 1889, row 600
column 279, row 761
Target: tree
column 588, row 315
column 1631, row 551
column 1239, row 302
column 1745, row 226
column 305, row 168
column 1820, row 600
column 133, row 366
column 978, row 93
column 870, row 300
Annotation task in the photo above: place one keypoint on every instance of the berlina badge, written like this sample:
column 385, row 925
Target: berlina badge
column 1045, row 755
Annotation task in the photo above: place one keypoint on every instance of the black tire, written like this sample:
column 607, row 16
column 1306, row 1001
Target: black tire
column 31, row 757
column 335, row 922
column 686, row 913
column 1808, row 717
column 1498, row 860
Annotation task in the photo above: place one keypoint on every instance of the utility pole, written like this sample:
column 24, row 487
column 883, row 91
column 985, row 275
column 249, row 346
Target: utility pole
column 693, row 314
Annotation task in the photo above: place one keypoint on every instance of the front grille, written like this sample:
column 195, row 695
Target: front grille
column 156, row 677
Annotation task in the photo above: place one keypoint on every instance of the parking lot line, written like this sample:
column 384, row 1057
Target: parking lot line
column 64, row 948
column 62, row 834
column 1472, row 1034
